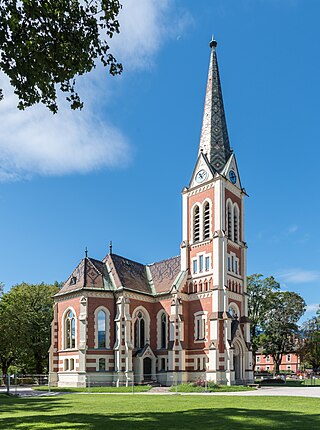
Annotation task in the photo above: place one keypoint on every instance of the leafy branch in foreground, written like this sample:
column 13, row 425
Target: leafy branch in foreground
column 46, row 44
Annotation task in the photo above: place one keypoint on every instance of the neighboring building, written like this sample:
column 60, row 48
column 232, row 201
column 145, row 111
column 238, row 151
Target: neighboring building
column 290, row 362
column 185, row 315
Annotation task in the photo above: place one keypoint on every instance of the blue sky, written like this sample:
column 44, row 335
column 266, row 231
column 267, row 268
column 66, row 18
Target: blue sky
column 115, row 170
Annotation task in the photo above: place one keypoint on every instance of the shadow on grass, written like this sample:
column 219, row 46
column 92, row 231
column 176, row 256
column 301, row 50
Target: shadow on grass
column 57, row 414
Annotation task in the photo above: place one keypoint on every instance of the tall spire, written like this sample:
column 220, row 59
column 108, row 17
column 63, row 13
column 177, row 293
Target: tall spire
column 214, row 140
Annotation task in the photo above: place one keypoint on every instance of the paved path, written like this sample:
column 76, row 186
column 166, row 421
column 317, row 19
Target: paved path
column 27, row 392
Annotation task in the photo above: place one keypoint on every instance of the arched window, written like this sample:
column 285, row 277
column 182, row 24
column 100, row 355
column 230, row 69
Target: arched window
column 102, row 364
column 229, row 220
column 70, row 325
column 163, row 329
column 236, row 223
column 140, row 331
column 196, row 224
column 206, row 221
column 233, row 311
column 101, row 329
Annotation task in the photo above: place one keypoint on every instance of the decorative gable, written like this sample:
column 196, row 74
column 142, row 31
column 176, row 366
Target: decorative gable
column 231, row 172
column 202, row 172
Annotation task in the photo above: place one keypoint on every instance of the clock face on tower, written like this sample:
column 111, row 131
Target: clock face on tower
column 201, row 176
column 232, row 176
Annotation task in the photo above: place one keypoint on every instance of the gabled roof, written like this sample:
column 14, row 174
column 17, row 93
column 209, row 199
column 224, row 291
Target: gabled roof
column 164, row 273
column 152, row 279
column 128, row 273
column 89, row 273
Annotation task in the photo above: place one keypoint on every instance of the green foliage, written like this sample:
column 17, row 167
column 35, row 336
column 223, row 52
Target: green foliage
column 46, row 44
column 260, row 294
column 309, row 349
column 280, row 328
column 25, row 317
column 274, row 316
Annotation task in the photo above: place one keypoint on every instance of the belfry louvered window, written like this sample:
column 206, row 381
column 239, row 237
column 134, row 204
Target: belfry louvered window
column 236, row 224
column 196, row 224
column 229, row 220
column 206, row 221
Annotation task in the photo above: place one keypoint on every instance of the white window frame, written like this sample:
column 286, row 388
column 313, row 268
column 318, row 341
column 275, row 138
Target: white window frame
column 233, row 262
column 147, row 324
column 159, row 328
column 195, row 262
column 201, row 220
column 96, row 340
column 64, row 328
column 200, row 326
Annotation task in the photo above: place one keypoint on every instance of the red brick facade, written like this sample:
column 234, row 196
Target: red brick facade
column 290, row 363
column 186, row 314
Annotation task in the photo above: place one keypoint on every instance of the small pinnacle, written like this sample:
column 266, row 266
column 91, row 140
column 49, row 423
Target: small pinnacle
column 86, row 252
column 110, row 246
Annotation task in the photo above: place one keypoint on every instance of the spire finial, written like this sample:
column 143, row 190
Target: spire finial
column 110, row 246
column 213, row 43
column 86, row 252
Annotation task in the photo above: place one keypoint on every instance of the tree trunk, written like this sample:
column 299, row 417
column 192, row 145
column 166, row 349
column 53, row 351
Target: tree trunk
column 277, row 361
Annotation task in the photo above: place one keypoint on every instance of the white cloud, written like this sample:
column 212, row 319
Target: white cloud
column 312, row 307
column 36, row 142
column 145, row 25
column 297, row 276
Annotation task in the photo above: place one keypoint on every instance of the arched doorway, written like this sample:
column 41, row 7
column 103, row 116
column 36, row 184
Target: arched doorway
column 238, row 362
column 147, row 370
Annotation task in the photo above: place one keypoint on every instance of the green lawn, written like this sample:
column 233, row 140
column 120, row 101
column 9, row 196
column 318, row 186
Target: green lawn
column 98, row 411
column 191, row 388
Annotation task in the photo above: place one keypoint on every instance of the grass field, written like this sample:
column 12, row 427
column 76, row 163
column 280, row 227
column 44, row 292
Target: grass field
column 98, row 411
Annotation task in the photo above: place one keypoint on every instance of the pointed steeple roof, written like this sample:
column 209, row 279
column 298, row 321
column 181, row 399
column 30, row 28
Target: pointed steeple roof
column 214, row 140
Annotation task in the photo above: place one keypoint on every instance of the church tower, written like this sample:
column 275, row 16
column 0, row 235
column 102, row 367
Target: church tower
column 213, row 249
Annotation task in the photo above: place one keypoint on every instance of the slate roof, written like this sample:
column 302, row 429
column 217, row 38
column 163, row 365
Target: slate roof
column 89, row 273
column 152, row 279
column 129, row 274
column 214, row 140
column 164, row 273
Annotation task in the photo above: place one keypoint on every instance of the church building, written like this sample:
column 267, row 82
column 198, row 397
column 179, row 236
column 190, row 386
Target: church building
column 186, row 317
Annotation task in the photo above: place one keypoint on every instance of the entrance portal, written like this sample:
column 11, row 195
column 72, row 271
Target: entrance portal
column 147, row 369
column 237, row 362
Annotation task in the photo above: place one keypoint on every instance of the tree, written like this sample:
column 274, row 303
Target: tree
column 45, row 44
column 280, row 328
column 309, row 350
column 260, row 293
column 26, row 312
